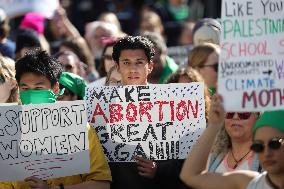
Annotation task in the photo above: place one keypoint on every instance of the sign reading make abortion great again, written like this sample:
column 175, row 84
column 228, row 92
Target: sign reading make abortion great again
column 251, row 71
column 46, row 140
column 155, row 121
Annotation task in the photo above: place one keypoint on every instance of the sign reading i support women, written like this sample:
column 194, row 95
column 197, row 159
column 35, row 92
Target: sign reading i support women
column 43, row 140
column 155, row 121
column 251, row 70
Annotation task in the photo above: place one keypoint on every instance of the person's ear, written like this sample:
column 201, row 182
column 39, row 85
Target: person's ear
column 150, row 66
column 12, row 83
column 117, row 67
column 56, row 88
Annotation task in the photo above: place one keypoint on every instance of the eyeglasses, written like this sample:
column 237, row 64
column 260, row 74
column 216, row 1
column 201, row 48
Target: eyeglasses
column 67, row 66
column 241, row 115
column 214, row 66
column 273, row 144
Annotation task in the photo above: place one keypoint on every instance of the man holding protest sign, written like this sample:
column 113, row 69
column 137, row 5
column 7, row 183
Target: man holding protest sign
column 134, row 57
column 38, row 74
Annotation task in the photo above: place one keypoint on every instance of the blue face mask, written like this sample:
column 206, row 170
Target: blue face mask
column 38, row 96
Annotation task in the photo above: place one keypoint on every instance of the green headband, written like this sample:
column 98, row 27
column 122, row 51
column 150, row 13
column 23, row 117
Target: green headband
column 273, row 119
column 74, row 83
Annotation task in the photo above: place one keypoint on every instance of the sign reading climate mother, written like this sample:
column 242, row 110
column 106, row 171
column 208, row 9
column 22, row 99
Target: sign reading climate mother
column 155, row 121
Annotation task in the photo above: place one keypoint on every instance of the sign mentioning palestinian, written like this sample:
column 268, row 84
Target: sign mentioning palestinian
column 251, row 71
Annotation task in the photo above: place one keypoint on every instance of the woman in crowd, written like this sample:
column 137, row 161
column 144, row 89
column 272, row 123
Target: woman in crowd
column 8, row 84
column 231, row 150
column 268, row 142
column 113, row 77
column 204, row 58
column 106, row 62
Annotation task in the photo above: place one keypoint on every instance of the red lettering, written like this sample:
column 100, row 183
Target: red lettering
column 181, row 114
column 131, row 108
column 247, row 97
column 194, row 110
column 161, row 103
column 172, row 104
column 99, row 111
column 261, row 98
column 144, row 107
column 115, row 113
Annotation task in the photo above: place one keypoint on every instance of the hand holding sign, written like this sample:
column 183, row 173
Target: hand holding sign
column 216, row 113
column 34, row 182
column 146, row 168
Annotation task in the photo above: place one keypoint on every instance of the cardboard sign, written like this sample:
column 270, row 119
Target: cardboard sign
column 155, row 121
column 15, row 8
column 251, row 70
column 46, row 141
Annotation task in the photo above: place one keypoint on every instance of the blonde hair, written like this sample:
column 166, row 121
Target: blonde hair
column 193, row 76
column 199, row 54
column 7, row 69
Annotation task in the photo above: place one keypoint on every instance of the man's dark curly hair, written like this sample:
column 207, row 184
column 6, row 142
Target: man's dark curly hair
column 39, row 62
column 133, row 43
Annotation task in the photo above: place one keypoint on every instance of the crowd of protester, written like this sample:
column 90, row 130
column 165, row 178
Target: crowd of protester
column 44, row 61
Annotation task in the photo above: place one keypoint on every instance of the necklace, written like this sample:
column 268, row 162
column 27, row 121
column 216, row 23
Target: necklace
column 238, row 161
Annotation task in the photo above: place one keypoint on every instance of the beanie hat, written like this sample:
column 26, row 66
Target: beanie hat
column 33, row 21
column 26, row 38
column 74, row 83
column 273, row 119
column 206, row 30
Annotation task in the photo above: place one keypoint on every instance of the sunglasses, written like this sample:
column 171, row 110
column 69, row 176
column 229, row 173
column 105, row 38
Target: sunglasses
column 273, row 144
column 241, row 115
column 68, row 67
column 214, row 66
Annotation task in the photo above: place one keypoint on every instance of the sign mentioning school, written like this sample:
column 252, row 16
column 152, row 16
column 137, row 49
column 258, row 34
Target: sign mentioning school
column 154, row 121
column 251, row 71
column 46, row 140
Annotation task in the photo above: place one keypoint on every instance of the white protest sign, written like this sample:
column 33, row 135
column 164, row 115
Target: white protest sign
column 251, row 70
column 20, row 7
column 156, row 121
column 45, row 140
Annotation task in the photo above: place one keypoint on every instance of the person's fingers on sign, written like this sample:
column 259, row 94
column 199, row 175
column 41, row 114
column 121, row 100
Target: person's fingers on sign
column 146, row 168
column 36, row 183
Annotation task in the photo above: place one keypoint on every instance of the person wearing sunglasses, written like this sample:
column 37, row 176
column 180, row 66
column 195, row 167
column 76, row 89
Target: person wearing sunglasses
column 268, row 136
column 106, row 61
column 204, row 58
column 231, row 150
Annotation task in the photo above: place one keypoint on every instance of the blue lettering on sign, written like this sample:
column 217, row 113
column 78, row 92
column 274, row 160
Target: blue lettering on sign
column 246, row 84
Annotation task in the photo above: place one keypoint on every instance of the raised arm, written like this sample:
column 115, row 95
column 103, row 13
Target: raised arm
column 194, row 171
